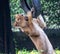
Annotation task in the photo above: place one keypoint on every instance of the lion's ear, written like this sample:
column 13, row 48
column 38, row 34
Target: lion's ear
column 29, row 15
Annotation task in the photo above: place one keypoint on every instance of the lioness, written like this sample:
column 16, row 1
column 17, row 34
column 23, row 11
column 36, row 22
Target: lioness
column 33, row 27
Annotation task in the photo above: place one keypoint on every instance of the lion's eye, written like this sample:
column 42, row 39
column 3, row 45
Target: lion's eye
column 21, row 14
column 26, row 18
column 18, row 19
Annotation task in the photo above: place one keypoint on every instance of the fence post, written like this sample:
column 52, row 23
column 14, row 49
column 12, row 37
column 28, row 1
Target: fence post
column 6, row 27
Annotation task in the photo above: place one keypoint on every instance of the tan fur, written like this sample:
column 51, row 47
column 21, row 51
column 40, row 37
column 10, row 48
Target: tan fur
column 37, row 36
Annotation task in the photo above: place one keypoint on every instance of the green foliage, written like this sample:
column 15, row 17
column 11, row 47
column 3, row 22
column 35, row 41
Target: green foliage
column 51, row 9
column 15, row 8
column 24, row 51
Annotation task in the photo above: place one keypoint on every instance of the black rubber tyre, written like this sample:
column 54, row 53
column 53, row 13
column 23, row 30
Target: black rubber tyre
column 37, row 7
column 24, row 5
column 33, row 3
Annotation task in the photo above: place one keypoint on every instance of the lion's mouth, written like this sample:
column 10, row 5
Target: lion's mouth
column 21, row 29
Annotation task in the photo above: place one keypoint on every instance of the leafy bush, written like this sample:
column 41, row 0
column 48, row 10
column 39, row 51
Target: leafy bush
column 33, row 52
column 51, row 9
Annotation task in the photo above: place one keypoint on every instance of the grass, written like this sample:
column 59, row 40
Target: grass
column 24, row 51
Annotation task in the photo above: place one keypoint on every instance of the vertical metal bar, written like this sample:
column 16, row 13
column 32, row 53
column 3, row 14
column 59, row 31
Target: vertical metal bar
column 8, row 40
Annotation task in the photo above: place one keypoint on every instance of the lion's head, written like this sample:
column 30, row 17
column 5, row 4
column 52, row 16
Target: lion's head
column 25, row 23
